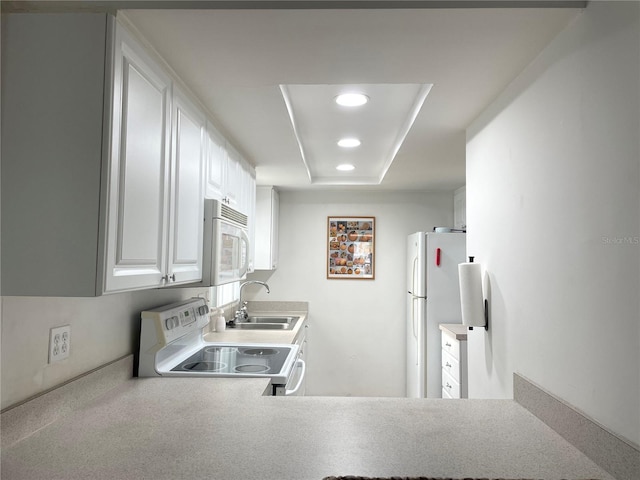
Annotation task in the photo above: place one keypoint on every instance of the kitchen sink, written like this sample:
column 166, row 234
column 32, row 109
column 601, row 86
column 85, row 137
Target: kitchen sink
column 263, row 326
column 264, row 322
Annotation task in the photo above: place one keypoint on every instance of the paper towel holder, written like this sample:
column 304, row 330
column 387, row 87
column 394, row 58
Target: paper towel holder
column 486, row 315
column 486, row 306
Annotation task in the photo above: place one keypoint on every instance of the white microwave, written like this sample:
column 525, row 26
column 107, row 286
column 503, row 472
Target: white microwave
column 226, row 244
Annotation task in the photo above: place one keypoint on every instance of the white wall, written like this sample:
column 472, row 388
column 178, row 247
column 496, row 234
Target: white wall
column 103, row 329
column 357, row 333
column 553, row 215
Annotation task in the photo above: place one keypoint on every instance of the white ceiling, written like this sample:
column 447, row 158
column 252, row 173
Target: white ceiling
column 235, row 61
column 381, row 125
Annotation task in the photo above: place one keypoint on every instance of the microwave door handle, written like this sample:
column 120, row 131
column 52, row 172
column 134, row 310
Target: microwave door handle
column 245, row 266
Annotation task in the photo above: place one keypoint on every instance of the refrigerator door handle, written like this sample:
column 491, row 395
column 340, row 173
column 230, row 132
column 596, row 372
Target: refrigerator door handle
column 413, row 325
column 413, row 280
column 413, row 275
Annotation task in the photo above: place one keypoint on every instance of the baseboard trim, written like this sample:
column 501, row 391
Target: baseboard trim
column 24, row 419
column 618, row 456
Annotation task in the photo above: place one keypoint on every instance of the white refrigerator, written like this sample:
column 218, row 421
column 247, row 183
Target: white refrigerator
column 433, row 297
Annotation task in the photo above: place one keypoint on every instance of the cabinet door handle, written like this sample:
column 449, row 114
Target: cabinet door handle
column 448, row 364
column 447, row 385
column 165, row 278
column 173, row 277
column 447, row 344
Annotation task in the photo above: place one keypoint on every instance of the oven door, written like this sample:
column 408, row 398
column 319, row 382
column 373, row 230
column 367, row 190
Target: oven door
column 296, row 383
column 230, row 252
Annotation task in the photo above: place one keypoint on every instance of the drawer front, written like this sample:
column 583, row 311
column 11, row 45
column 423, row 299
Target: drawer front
column 451, row 346
column 450, row 385
column 451, row 365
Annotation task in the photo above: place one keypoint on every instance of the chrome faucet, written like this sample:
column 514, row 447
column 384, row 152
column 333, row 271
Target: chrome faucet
column 242, row 314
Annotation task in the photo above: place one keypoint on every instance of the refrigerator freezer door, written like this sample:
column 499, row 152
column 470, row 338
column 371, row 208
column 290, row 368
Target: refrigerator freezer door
column 416, row 275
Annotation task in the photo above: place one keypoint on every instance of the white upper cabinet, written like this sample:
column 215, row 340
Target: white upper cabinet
column 187, row 192
column 247, row 205
column 229, row 177
column 154, row 231
column 139, row 170
column 460, row 208
column 233, row 186
column 216, row 164
column 267, row 220
column 102, row 173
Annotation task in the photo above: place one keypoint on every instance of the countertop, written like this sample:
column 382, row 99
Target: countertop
column 456, row 330
column 224, row 428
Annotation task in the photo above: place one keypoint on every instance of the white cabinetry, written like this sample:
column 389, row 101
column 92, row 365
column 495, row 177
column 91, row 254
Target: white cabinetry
column 460, row 208
column 94, row 199
column 230, row 178
column 54, row 116
column 267, row 217
column 154, row 228
column 216, row 162
column 454, row 361
column 186, row 195
column 248, row 205
column 139, row 169
column 233, row 184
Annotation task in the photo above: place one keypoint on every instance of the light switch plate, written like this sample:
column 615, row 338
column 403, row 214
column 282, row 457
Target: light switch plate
column 59, row 343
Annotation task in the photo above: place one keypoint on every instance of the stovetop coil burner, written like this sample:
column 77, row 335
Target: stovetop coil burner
column 205, row 366
column 262, row 352
column 252, row 368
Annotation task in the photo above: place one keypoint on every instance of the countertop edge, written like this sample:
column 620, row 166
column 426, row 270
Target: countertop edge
column 456, row 330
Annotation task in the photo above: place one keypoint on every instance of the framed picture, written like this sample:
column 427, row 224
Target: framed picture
column 350, row 248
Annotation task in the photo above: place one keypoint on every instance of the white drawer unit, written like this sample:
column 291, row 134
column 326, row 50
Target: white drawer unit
column 450, row 344
column 450, row 386
column 454, row 361
column 451, row 365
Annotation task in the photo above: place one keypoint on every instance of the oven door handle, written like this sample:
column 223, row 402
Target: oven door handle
column 302, row 365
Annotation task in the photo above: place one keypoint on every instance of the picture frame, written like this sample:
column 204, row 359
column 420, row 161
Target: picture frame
column 351, row 248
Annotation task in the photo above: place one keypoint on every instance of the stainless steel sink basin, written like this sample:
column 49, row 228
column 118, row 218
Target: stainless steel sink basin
column 264, row 322
column 263, row 326
column 267, row 319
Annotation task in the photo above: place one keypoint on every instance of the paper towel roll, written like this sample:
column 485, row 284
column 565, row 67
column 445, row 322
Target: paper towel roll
column 471, row 298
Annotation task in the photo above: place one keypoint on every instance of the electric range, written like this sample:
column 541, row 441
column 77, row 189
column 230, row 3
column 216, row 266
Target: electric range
column 171, row 344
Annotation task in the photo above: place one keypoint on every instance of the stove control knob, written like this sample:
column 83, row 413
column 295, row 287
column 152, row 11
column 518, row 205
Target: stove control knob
column 203, row 310
column 172, row 322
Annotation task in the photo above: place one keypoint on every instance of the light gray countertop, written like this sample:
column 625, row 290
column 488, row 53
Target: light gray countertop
column 224, row 429
column 456, row 330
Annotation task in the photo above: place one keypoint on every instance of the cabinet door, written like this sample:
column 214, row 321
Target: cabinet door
column 139, row 167
column 275, row 229
column 233, row 180
column 246, row 193
column 187, row 192
column 460, row 208
column 250, row 198
column 267, row 213
column 216, row 164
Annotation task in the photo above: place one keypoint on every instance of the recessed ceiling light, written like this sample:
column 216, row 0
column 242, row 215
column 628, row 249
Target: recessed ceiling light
column 345, row 167
column 351, row 99
column 349, row 142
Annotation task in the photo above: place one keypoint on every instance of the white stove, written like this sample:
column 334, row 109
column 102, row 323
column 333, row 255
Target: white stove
column 172, row 344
